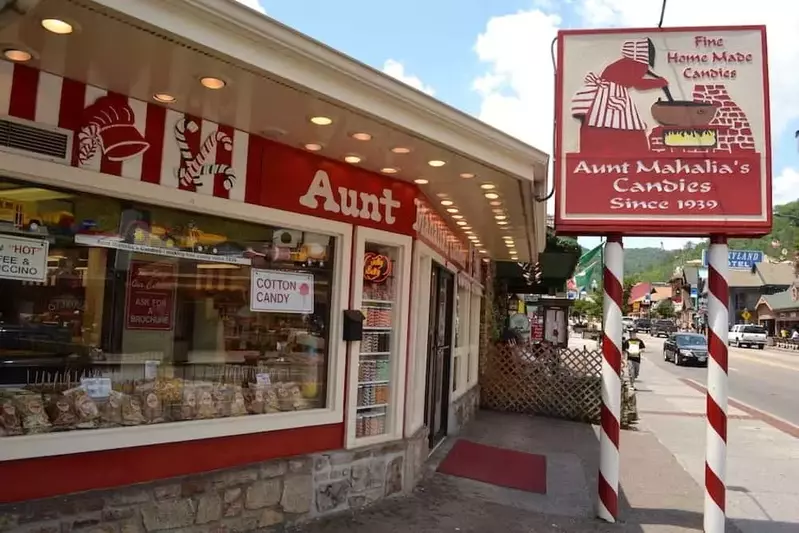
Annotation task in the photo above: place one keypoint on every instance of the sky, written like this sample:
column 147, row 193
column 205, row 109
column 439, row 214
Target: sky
column 492, row 59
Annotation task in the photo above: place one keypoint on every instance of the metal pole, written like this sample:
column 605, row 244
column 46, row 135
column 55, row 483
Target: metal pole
column 716, row 431
column 608, row 507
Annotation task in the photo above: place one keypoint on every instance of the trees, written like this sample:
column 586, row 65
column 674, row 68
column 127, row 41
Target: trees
column 665, row 309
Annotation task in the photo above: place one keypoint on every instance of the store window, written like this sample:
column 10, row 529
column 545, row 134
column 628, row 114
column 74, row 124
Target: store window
column 474, row 338
column 115, row 313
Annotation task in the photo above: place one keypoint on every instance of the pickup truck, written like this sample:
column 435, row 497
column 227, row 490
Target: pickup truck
column 662, row 328
column 748, row 335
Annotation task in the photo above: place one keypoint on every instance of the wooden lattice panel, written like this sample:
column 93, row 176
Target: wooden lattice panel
column 542, row 380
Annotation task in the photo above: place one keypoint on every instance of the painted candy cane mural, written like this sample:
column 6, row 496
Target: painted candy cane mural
column 193, row 166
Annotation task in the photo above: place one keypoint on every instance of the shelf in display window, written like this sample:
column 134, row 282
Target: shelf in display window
column 379, row 303
column 375, row 406
column 378, row 329
column 375, row 354
column 379, row 382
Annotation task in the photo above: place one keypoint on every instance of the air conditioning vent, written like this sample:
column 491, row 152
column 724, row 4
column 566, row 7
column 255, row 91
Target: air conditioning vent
column 35, row 140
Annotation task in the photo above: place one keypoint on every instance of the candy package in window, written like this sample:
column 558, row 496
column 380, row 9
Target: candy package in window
column 256, row 399
column 85, row 408
column 152, row 408
column 131, row 409
column 30, row 407
column 111, row 409
column 223, row 398
column 186, row 408
column 238, row 406
column 10, row 424
column 61, row 412
column 206, row 408
column 271, row 402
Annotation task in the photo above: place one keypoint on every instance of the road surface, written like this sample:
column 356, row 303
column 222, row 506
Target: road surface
column 765, row 379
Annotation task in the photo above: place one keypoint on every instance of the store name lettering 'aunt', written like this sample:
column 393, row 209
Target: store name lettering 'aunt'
column 348, row 204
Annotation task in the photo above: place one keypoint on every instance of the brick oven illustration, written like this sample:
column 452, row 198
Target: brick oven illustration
column 711, row 122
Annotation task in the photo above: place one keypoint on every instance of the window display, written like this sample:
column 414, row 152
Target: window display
column 374, row 369
column 120, row 314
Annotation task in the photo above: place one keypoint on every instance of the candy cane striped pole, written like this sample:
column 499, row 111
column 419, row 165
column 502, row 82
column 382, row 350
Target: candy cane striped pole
column 611, row 381
column 716, row 432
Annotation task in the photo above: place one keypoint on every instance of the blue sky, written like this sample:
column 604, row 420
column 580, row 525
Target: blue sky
column 490, row 58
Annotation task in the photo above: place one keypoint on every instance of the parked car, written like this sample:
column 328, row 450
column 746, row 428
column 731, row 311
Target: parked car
column 642, row 324
column 662, row 328
column 749, row 335
column 627, row 322
column 685, row 348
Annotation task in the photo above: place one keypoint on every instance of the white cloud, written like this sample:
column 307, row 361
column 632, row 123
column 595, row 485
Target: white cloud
column 253, row 4
column 785, row 187
column 517, row 88
column 396, row 70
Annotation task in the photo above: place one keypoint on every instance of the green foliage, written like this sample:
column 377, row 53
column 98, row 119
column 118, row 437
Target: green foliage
column 665, row 309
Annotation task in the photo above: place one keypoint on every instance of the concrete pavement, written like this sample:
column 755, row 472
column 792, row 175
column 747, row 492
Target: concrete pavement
column 762, row 470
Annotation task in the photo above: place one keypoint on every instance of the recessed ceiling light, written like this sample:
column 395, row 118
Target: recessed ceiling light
column 483, row 252
column 421, row 181
column 209, row 82
column 495, row 202
column 313, row 147
column 498, row 211
column 467, row 175
column 442, row 195
column 502, row 222
column 389, row 170
column 322, row 121
column 488, row 186
column 500, row 217
column 16, row 55
column 362, row 136
column 466, row 227
column 507, row 238
column 447, row 202
column 474, row 238
column 164, row 98
column 468, row 232
column 510, row 245
column 461, row 223
column 436, row 163
column 352, row 159
column 57, row 26
column 491, row 195
column 452, row 210
column 401, row 150
column 457, row 217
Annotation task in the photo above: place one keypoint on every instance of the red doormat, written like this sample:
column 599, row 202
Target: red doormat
column 497, row 466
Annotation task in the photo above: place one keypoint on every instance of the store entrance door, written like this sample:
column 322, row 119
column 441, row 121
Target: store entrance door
column 439, row 354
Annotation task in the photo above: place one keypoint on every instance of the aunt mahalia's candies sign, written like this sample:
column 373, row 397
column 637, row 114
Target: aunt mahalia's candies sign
column 663, row 132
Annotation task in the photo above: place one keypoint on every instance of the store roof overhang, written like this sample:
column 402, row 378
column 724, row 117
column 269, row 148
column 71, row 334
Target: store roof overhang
column 276, row 80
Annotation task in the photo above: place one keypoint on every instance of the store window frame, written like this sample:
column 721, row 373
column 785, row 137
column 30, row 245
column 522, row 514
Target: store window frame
column 48, row 174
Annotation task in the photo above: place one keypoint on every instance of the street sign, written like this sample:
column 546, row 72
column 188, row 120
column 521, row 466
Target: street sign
column 746, row 315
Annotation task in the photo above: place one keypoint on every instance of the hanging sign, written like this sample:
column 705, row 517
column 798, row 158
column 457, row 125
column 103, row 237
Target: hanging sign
column 150, row 296
column 23, row 259
column 376, row 267
column 663, row 132
column 739, row 259
column 281, row 292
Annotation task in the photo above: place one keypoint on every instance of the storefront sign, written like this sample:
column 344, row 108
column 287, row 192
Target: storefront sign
column 376, row 267
column 281, row 292
column 117, row 243
column 296, row 181
column 739, row 259
column 663, row 132
column 150, row 296
column 431, row 228
column 23, row 259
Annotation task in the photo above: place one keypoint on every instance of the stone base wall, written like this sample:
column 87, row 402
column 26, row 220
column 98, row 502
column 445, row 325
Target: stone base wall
column 257, row 496
column 463, row 410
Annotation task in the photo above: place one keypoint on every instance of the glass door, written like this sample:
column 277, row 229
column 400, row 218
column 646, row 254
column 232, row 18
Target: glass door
column 377, row 371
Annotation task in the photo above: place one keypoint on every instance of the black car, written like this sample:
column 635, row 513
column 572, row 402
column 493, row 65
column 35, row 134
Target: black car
column 686, row 348
column 662, row 328
column 642, row 324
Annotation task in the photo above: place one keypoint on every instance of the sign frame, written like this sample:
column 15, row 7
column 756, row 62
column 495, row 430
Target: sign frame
column 42, row 245
column 646, row 224
column 306, row 278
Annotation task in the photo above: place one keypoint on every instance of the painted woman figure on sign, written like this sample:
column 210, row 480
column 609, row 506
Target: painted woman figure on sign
column 611, row 124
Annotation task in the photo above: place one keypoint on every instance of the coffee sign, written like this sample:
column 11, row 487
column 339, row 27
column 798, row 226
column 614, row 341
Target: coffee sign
column 663, row 132
column 23, row 259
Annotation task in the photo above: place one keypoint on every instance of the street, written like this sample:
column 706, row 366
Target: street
column 764, row 379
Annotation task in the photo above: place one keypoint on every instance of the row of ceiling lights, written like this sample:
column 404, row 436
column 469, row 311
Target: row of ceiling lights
column 62, row 27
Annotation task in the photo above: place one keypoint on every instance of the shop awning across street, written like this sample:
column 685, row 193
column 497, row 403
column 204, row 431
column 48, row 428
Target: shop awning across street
column 276, row 81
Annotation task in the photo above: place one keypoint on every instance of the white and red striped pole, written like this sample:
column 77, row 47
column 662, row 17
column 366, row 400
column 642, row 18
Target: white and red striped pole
column 608, row 507
column 716, row 432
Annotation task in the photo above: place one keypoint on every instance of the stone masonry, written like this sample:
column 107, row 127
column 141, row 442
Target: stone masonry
column 463, row 410
column 257, row 497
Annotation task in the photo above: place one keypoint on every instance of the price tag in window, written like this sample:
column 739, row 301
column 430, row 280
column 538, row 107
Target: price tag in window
column 263, row 379
column 96, row 387
column 151, row 369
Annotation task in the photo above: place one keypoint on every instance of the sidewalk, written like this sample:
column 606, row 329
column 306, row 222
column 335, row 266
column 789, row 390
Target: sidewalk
column 657, row 495
column 763, row 461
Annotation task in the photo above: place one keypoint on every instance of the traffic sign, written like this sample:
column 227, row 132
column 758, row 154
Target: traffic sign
column 746, row 315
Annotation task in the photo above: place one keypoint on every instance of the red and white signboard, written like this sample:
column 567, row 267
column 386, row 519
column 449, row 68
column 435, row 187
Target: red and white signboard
column 281, row 292
column 663, row 131
column 150, row 296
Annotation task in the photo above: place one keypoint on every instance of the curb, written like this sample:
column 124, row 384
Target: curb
column 776, row 422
